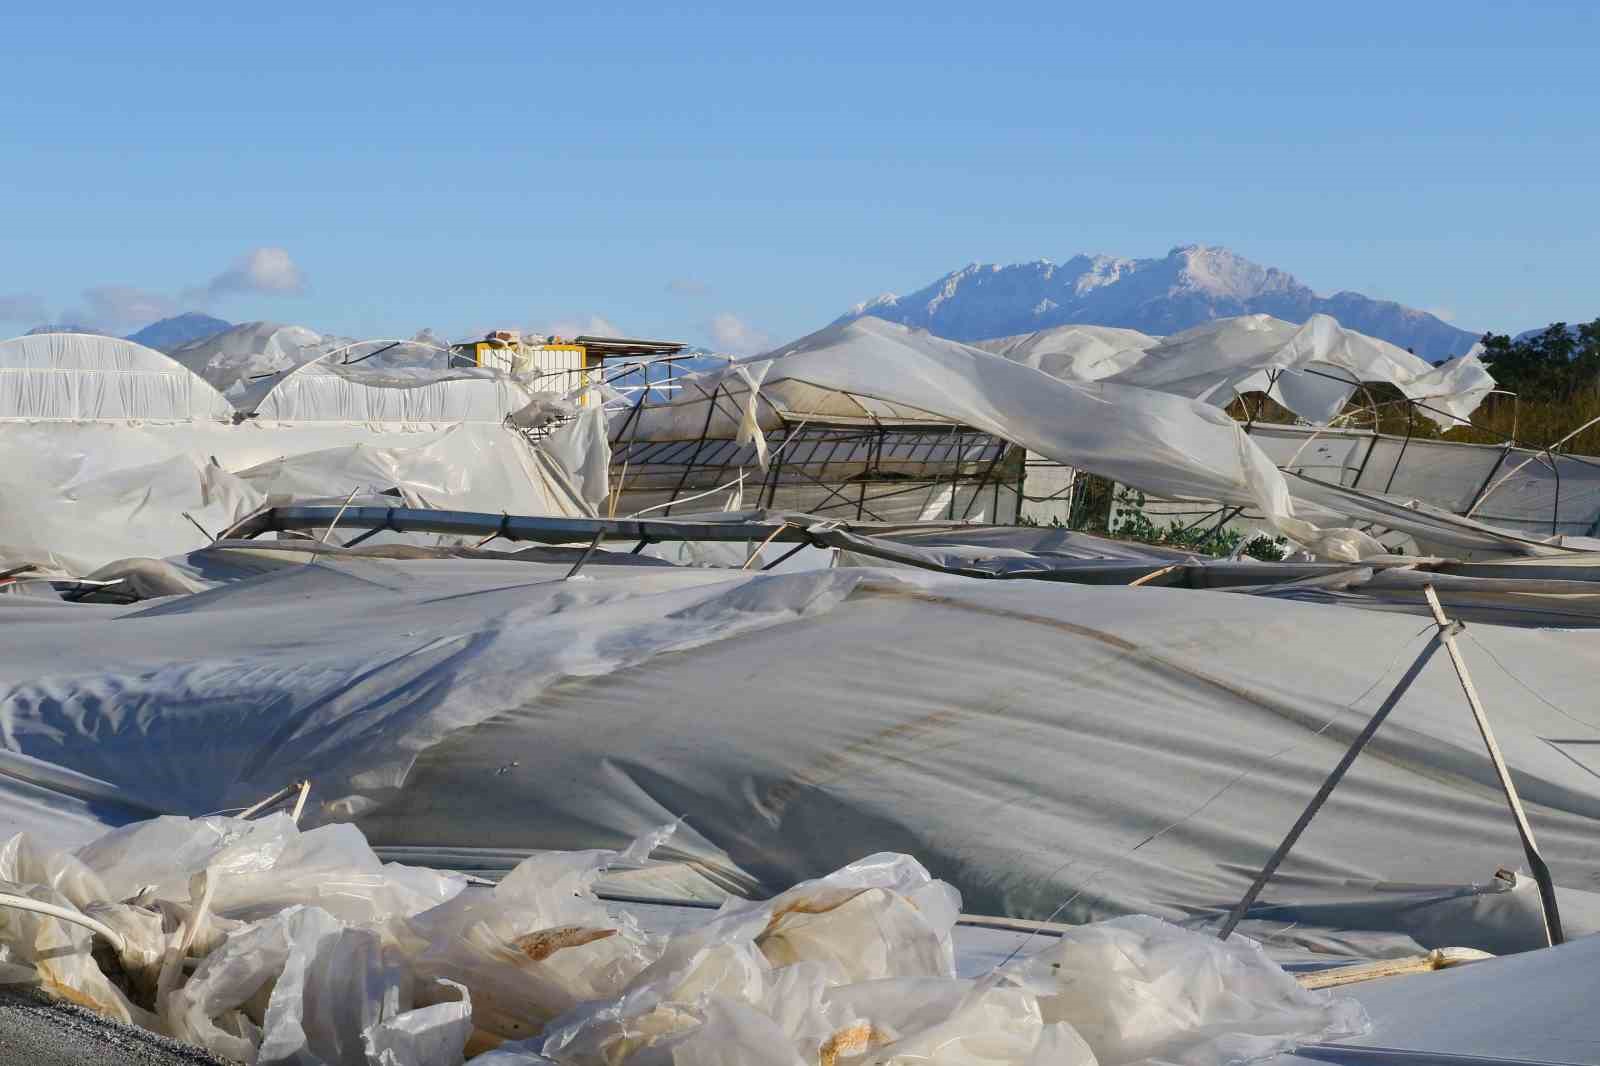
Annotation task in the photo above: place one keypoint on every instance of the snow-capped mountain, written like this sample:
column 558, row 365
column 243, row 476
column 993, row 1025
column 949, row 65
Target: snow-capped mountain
column 1190, row 285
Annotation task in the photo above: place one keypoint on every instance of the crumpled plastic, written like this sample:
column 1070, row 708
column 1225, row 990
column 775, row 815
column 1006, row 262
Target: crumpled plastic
column 263, row 866
column 584, row 452
column 276, row 980
column 306, row 949
column 536, row 946
column 857, row 967
column 1140, row 989
column 334, row 994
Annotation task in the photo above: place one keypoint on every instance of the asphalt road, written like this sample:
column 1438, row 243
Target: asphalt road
column 38, row 1031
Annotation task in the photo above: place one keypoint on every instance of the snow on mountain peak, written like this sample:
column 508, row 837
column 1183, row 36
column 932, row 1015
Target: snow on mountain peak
column 1103, row 270
column 881, row 301
column 1218, row 272
column 1190, row 285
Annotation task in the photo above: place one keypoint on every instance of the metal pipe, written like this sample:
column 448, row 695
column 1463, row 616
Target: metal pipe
column 1530, row 848
column 785, row 557
column 1328, row 785
column 593, row 544
column 1411, row 417
column 688, row 468
column 535, row 529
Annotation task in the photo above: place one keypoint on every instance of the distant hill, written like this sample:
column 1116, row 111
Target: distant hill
column 174, row 332
column 1190, row 285
column 163, row 336
column 65, row 327
column 1528, row 335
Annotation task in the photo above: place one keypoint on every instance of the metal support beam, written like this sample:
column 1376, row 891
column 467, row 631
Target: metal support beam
column 1411, row 417
column 1444, row 636
column 1328, row 785
column 688, row 468
column 1530, row 848
column 533, row 528
column 593, row 544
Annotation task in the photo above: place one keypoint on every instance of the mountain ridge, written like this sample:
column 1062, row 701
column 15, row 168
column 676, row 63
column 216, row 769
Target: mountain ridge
column 163, row 335
column 1191, row 285
column 178, row 330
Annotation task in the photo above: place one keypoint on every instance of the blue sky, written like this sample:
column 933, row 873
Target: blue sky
column 721, row 173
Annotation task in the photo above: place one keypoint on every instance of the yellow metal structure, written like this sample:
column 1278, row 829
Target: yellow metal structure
column 553, row 366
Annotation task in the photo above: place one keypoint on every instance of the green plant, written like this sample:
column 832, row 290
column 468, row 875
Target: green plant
column 1132, row 522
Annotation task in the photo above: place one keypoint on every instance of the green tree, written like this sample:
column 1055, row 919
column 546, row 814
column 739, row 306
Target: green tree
column 1556, row 365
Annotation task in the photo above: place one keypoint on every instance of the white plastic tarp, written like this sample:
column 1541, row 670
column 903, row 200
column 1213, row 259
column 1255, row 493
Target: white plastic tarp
column 1534, row 1007
column 1517, row 489
column 328, row 391
column 1048, row 749
column 75, row 497
column 78, row 496
column 871, row 371
column 469, row 467
column 1311, row 369
column 1074, row 352
column 245, row 361
column 266, row 945
column 81, row 377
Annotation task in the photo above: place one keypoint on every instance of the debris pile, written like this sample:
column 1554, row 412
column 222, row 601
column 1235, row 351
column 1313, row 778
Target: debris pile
column 264, row 944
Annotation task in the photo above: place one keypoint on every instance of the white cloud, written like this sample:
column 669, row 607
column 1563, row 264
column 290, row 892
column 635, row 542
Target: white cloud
column 22, row 307
column 730, row 333
column 119, row 307
column 260, row 270
column 1446, row 314
column 577, row 325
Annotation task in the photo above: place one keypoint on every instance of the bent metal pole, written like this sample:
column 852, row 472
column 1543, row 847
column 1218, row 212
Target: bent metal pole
column 1541, row 872
column 1445, row 635
column 1334, row 777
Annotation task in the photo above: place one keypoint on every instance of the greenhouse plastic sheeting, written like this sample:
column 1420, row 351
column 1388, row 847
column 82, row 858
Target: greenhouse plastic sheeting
column 1311, row 369
column 244, row 362
column 80, row 377
column 871, row 371
column 1048, row 749
column 1075, row 353
column 73, row 498
column 1517, row 489
column 467, row 467
column 324, row 391
column 1535, row 1007
column 267, row 945
column 77, row 496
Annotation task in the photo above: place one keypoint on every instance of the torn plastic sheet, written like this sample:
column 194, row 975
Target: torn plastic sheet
column 358, row 744
column 334, row 994
column 294, row 983
column 854, row 967
column 82, row 495
column 818, row 975
column 584, row 452
column 467, row 710
column 537, row 945
column 1312, row 368
column 869, row 372
column 1074, row 352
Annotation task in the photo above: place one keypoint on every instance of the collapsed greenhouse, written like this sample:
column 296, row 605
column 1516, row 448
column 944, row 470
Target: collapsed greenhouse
column 555, row 673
